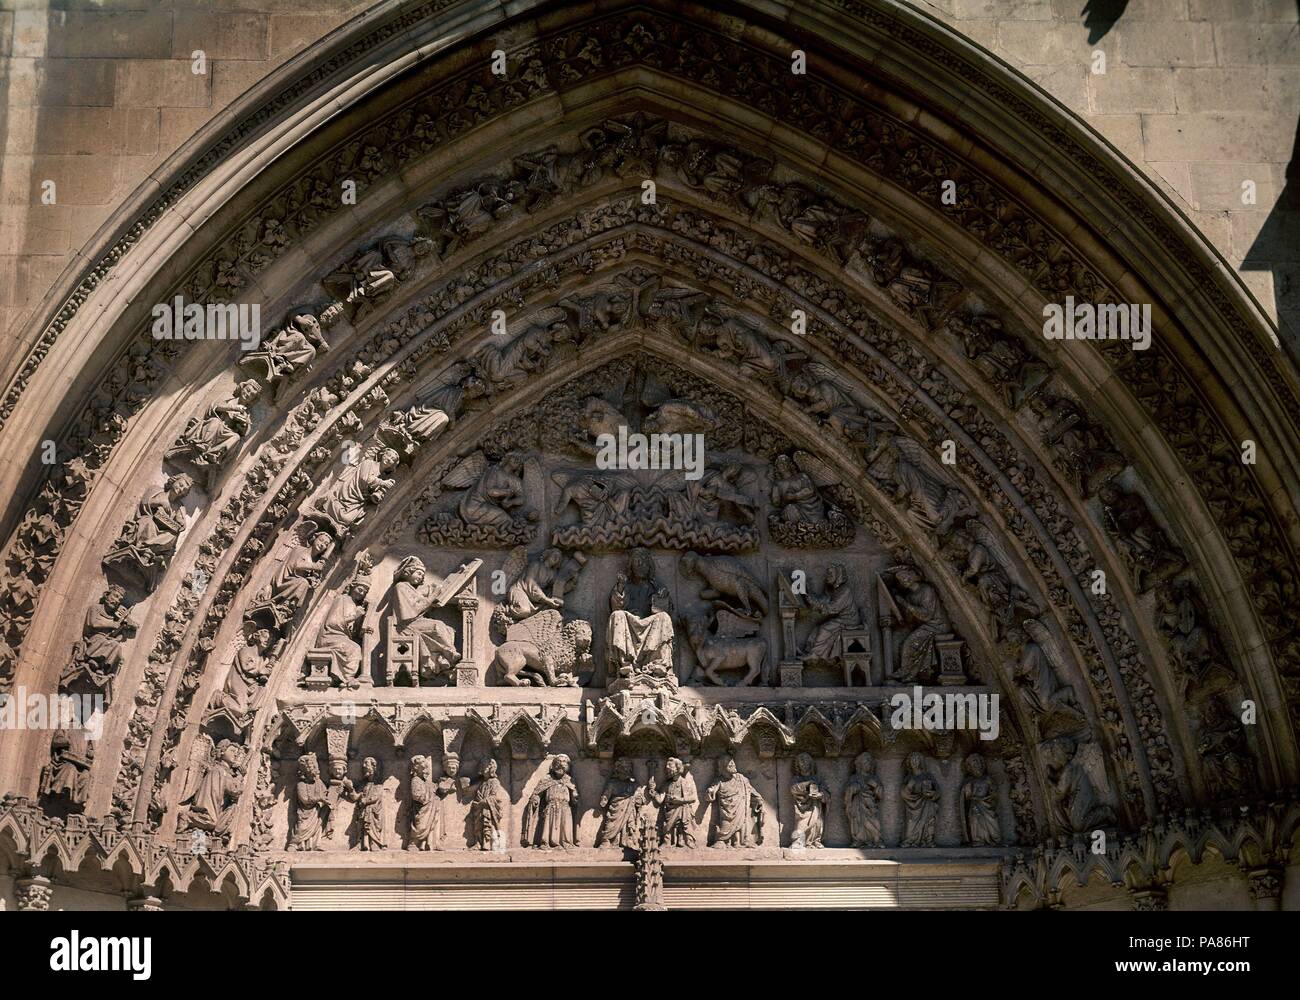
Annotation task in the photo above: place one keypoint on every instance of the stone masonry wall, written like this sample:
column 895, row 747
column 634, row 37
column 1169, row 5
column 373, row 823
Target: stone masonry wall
column 95, row 95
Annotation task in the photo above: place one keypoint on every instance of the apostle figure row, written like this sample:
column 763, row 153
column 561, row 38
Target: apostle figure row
column 552, row 812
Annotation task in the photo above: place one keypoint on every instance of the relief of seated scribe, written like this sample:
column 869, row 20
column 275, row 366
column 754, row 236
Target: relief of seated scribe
column 432, row 656
column 639, row 636
column 836, row 612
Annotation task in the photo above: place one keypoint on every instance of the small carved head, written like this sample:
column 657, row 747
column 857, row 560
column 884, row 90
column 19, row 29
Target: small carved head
column 837, row 575
column 915, row 763
column 114, row 595
column 729, row 766
column 260, row 640
column 560, row 765
column 308, row 767
column 864, row 764
column 420, row 766
column 411, row 570
column 907, row 577
column 489, row 769
column 623, row 769
column 179, row 486
column 639, row 565
column 975, row 766
column 783, row 467
column 804, row 766
column 248, row 391
column 321, row 542
column 388, row 459
column 369, row 768
column 450, row 764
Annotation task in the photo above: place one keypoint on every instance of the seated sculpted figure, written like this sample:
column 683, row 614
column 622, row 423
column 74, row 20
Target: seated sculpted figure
column 208, row 440
column 341, row 630
column 289, row 351
column 639, row 637
column 346, row 504
column 411, row 601
column 836, row 610
column 149, row 539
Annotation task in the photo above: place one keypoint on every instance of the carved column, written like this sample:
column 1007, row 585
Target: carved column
column 467, row 671
column 1265, row 885
column 33, row 892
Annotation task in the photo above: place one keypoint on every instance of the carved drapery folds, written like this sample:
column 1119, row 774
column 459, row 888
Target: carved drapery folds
column 824, row 557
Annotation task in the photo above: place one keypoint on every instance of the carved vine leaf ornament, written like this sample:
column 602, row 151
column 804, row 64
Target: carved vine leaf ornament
column 618, row 513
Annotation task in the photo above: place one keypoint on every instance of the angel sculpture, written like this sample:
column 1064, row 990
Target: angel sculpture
column 600, row 419
column 915, row 479
column 982, row 560
column 212, row 786
column 496, row 496
column 828, row 397
column 599, row 499
column 242, row 695
column 535, row 585
column 800, row 515
column 1076, row 774
column 490, row 511
column 345, row 505
column 540, row 647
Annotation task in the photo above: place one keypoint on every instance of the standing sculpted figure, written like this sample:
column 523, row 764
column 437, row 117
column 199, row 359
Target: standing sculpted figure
column 488, row 810
column 424, row 806
column 736, row 808
column 621, row 803
column 311, row 804
column 979, row 812
column 677, row 805
column 369, row 818
column 920, row 794
column 811, row 796
column 551, row 819
column 862, row 803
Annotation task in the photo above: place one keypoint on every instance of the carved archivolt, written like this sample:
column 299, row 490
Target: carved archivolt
column 302, row 536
